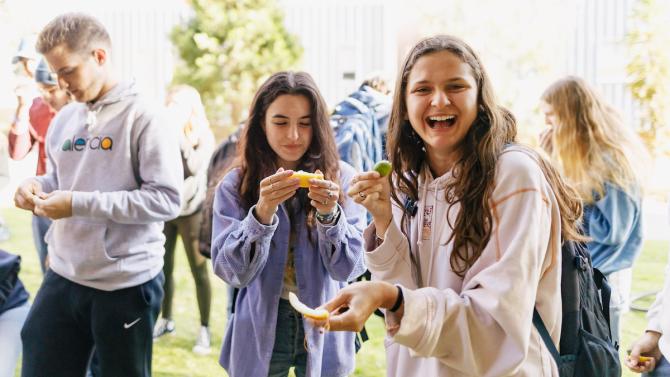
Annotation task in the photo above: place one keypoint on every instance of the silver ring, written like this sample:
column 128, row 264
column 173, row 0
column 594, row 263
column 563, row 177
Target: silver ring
column 361, row 194
column 330, row 194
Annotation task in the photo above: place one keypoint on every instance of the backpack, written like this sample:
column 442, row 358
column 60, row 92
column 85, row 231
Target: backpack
column 357, row 134
column 221, row 159
column 586, row 345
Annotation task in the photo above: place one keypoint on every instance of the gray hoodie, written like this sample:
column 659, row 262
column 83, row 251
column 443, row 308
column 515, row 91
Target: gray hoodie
column 121, row 161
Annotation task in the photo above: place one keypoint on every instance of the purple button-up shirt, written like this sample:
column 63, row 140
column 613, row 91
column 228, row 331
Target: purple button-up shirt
column 251, row 256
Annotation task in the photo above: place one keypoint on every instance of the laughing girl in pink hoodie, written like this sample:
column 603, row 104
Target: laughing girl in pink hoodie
column 467, row 231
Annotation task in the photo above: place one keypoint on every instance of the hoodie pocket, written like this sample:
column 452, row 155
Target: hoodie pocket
column 80, row 244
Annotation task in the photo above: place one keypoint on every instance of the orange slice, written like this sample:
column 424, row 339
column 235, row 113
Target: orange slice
column 305, row 177
column 318, row 314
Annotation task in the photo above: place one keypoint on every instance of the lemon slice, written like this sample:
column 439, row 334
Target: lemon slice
column 305, row 177
column 303, row 309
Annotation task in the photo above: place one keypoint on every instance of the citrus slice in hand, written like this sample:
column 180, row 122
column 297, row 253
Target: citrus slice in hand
column 318, row 314
column 383, row 167
column 305, row 177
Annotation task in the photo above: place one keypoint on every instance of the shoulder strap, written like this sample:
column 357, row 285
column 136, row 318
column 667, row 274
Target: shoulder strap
column 542, row 329
column 605, row 295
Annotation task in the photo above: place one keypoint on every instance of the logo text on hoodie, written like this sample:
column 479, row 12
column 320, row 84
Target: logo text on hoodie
column 79, row 144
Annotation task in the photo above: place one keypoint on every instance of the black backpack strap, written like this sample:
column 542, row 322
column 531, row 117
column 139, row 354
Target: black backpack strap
column 605, row 291
column 542, row 329
column 605, row 295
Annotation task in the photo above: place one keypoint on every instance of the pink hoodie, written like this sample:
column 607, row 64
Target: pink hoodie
column 479, row 325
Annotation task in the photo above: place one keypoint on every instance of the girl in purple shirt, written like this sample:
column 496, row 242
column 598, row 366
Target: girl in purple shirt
column 271, row 237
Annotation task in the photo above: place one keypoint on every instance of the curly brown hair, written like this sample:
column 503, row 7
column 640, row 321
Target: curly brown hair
column 474, row 172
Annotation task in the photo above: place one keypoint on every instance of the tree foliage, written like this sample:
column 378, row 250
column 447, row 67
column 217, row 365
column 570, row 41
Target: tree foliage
column 228, row 48
column 649, row 70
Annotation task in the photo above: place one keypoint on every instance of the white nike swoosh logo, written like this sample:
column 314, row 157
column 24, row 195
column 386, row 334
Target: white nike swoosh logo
column 129, row 325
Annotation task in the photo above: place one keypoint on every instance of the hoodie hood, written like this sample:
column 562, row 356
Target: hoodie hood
column 121, row 91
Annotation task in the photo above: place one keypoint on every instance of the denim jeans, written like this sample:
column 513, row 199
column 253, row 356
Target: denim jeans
column 40, row 227
column 289, row 348
column 662, row 369
column 620, row 281
column 11, row 323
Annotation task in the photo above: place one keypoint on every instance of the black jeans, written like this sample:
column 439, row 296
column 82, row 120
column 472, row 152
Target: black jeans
column 67, row 320
column 188, row 227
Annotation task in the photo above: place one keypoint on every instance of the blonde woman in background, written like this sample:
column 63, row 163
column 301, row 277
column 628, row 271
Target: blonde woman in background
column 603, row 159
column 196, row 144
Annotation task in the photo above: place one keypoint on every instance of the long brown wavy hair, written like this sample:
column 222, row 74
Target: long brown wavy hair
column 474, row 172
column 258, row 160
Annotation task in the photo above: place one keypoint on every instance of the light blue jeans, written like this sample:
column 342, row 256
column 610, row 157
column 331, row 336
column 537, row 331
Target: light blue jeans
column 11, row 323
column 661, row 370
column 40, row 227
column 289, row 349
column 621, row 282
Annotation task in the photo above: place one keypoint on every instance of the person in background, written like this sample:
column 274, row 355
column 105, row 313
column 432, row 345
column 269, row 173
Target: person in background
column 271, row 238
column 360, row 122
column 29, row 129
column 604, row 160
column 24, row 62
column 655, row 342
column 222, row 158
column 197, row 144
column 14, row 309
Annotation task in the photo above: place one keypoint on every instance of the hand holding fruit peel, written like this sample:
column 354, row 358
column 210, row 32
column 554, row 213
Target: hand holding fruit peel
column 317, row 314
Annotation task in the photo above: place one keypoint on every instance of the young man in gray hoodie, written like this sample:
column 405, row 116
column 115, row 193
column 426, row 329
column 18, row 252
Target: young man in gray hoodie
column 114, row 176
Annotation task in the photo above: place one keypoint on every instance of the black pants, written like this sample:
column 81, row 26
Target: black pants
column 188, row 227
column 67, row 320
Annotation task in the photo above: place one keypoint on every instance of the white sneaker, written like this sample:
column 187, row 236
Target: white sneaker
column 164, row 326
column 203, row 342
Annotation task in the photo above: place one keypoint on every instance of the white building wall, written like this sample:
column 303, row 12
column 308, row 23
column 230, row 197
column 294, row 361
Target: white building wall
column 343, row 41
column 600, row 52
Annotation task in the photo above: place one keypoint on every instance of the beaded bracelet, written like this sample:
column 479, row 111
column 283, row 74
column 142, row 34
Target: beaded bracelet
column 327, row 218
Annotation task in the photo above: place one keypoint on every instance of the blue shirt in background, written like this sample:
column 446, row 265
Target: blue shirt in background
column 614, row 222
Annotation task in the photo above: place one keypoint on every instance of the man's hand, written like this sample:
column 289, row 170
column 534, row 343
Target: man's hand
column 26, row 192
column 56, row 205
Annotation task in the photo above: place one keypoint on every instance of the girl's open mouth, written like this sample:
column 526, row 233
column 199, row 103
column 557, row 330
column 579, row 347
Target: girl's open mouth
column 441, row 121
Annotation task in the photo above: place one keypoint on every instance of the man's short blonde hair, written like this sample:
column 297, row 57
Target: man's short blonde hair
column 78, row 31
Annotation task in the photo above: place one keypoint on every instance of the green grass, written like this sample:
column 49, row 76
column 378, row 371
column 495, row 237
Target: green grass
column 172, row 353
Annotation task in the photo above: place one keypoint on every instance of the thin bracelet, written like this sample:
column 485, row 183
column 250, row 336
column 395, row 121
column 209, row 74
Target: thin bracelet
column 398, row 300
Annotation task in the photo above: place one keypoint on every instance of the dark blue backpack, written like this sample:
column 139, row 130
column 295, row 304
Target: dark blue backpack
column 586, row 342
